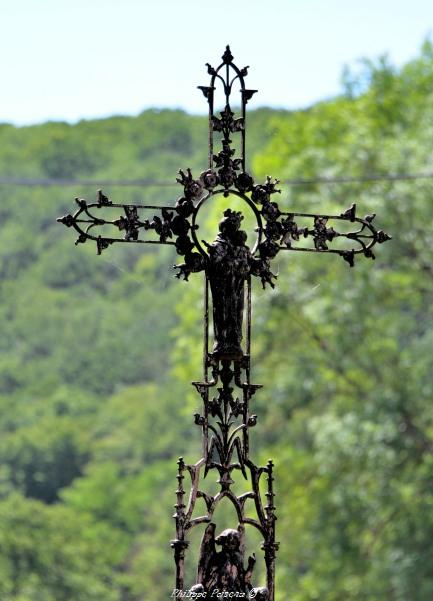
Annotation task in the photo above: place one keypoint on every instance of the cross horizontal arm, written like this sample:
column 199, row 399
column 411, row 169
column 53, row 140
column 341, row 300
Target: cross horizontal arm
column 282, row 232
column 86, row 223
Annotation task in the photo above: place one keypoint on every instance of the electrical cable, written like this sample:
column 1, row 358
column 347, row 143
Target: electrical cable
column 302, row 181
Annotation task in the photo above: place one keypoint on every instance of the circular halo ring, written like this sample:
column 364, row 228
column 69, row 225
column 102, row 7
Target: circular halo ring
column 249, row 202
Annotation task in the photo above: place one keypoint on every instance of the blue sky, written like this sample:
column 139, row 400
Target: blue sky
column 68, row 60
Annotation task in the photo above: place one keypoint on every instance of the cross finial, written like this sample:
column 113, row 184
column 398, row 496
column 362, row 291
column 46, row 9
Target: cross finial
column 227, row 56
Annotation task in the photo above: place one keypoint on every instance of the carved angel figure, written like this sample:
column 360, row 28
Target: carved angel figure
column 224, row 570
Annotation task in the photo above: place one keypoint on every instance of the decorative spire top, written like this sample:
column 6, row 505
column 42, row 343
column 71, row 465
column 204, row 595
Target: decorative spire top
column 226, row 75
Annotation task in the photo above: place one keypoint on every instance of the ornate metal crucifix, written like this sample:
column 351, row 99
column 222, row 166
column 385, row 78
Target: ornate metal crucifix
column 228, row 263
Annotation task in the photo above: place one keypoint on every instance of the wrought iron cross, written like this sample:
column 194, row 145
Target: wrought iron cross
column 228, row 264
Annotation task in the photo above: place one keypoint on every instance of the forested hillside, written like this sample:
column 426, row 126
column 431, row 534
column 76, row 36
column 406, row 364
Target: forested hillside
column 96, row 356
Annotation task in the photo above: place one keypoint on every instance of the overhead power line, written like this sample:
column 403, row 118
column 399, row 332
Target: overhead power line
column 148, row 183
column 386, row 177
column 47, row 182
